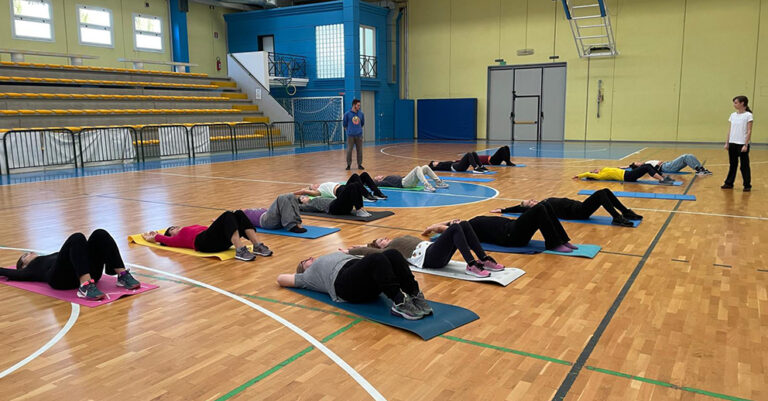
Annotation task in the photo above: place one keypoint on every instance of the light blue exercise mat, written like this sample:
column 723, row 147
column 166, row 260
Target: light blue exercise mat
column 599, row 220
column 644, row 195
column 444, row 318
column 536, row 246
column 504, row 165
column 646, row 182
column 312, row 232
column 467, row 179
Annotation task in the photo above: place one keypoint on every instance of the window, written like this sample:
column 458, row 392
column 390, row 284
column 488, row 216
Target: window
column 368, row 65
column 32, row 19
column 329, row 44
column 95, row 26
column 148, row 33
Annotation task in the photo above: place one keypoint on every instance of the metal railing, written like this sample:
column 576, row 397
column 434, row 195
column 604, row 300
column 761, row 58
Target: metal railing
column 58, row 147
column 287, row 65
column 368, row 66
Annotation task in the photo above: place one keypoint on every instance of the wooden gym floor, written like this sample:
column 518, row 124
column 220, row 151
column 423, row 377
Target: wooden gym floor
column 675, row 309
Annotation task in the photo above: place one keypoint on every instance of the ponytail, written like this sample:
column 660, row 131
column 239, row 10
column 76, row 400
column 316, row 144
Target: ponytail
column 743, row 100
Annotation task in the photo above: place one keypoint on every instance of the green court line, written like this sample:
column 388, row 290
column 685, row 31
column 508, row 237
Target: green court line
column 508, row 350
column 448, row 337
column 268, row 372
column 665, row 384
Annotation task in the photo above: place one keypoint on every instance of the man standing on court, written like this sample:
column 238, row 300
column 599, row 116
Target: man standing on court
column 354, row 120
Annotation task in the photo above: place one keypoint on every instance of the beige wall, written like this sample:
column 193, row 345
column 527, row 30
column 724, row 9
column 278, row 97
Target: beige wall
column 201, row 23
column 680, row 63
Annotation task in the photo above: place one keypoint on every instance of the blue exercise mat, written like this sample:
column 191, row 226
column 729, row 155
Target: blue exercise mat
column 469, row 172
column 444, row 318
column 644, row 195
column 312, row 232
column 537, row 246
column 467, row 179
column 504, row 165
column 599, row 220
column 647, row 182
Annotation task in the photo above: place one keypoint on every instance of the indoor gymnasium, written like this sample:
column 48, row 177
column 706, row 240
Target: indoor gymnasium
column 388, row 200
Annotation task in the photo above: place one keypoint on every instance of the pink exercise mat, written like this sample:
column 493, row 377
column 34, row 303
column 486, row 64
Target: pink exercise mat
column 107, row 285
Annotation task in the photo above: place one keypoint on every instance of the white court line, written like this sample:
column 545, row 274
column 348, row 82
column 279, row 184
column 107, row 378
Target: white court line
column 382, row 150
column 633, row 153
column 71, row 322
column 317, row 344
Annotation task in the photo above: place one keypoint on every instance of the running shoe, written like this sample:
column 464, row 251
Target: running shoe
column 703, row 171
column 380, row 196
column 441, row 184
column 262, row 250
column 406, row 310
column 244, row 254
column 621, row 221
column 630, row 215
column 362, row 213
column 476, row 270
column 429, row 188
column 491, row 265
column 421, row 303
column 90, row 292
column 126, row 280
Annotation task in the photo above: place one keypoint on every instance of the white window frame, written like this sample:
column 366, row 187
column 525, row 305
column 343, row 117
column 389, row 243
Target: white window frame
column 362, row 41
column 95, row 26
column 136, row 32
column 48, row 21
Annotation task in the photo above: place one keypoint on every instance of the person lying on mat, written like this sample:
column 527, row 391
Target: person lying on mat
column 227, row 230
column 518, row 232
column 575, row 210
column 501, row 155
column 79, row 264
column 469, row 159
column 434, row 255
column 675, row 165
column 331, row 189
column 619, row 174
column 348, row 278
column 415, row 177
column 349, row 199
column 282, row 213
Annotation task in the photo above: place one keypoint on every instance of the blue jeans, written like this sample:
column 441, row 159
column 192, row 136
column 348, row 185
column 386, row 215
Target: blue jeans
column 678, row 164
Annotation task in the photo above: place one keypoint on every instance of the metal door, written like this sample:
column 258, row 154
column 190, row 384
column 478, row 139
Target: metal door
column 525, row 116
column 368, row 106
column 553, row 104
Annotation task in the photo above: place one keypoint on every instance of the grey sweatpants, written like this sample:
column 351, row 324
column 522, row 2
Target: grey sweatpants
column 356, row 141
column 283, row 212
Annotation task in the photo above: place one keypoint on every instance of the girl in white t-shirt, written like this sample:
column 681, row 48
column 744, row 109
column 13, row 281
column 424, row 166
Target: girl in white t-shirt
column 737, row 144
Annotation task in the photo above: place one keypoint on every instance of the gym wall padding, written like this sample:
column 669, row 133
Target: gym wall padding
column 404, row 114
column 447, row 119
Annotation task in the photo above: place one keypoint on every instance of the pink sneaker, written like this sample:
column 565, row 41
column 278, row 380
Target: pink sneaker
column 491, row 265
column 477, row 271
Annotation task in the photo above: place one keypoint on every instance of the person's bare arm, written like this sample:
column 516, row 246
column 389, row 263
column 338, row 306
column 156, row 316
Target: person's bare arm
column 307, row 191
column 437, row 227
column 749, row 137
column 286, row 280
column 149, row 236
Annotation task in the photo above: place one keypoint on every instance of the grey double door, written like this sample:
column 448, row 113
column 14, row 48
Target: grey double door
column 526, row 102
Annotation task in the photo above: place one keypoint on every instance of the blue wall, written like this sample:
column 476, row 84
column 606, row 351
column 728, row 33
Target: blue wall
column 294, row 32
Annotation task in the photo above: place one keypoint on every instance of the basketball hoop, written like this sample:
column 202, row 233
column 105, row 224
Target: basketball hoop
column 286, row 83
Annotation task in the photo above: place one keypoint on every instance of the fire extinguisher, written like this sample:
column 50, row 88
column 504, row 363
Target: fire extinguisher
column 218, row 64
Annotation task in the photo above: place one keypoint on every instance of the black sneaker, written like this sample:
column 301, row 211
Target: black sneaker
column 726, row 186
column 747, row 189
column 620, row 221
column 90, row 292
column 347, row 167
column 380, row 196
column 481, row 168
column 297, row 229
column 360, row 167
column 630, row 215
column 370, row 197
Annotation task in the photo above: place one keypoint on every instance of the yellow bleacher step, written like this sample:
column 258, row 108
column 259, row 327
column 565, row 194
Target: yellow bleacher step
column 234, row 95
column 248, row 107
column 263, row 119
column 225, row 84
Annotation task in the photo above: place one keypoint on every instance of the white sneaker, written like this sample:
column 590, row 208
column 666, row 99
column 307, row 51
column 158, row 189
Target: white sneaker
column 362, row 213
column 441, row 184
column 429, row 188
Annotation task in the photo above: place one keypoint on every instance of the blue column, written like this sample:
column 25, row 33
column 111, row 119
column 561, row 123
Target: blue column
column 351, row 15
column 179, row 36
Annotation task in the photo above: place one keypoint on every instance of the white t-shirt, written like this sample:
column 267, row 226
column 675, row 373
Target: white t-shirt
column 326, row 189
column 654, row 163
column 739, row 127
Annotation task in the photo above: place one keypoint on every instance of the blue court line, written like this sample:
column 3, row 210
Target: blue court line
column 581, row 361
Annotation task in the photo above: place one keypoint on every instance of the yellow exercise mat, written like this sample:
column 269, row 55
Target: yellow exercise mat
column 223, row 255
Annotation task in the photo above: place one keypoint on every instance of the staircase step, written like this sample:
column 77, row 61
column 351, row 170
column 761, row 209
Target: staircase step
column 225, row 84
column 249, row 107
column 235, row 95
column 257, row 119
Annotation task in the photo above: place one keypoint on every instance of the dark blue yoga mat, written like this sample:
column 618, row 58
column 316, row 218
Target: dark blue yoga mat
column 537, row 246
column 467, row 179
column 444, row 319
column 312, row 232
column 643, row 195
column 646, row 182
column 599, row 220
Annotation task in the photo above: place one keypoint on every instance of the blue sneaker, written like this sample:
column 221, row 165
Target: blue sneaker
column 90, row 292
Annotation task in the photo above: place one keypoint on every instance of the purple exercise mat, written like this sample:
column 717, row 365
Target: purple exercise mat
column 107, row 285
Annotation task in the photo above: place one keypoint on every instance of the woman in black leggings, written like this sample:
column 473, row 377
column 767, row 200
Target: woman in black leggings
column 458, row 235
column 349, row 198
column 228, row 229
column 79, row 264
column 619, row 174
column 518, row 232
column 502, row 154
column 352, row 279
column 469, row 159
column 331, row 189
column 571, row 209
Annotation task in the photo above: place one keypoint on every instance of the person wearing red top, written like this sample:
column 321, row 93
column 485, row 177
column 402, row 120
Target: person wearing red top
column 227, row 230
column 502, row 155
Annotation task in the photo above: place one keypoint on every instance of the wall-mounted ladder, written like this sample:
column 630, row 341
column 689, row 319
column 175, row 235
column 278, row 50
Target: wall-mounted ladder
column 591, row 27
